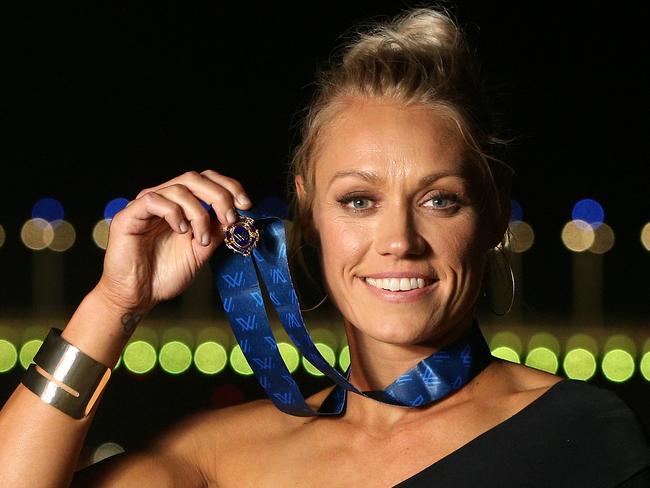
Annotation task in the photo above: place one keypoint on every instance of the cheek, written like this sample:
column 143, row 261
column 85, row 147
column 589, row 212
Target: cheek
column 342, row 245
column 462, row 250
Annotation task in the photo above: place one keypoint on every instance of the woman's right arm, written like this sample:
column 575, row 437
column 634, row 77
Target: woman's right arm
column 157, row 245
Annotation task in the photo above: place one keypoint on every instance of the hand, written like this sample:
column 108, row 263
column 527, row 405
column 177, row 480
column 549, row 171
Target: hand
column 161, row 239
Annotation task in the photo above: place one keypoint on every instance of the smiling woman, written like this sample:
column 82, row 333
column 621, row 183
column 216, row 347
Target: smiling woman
column 400, row 191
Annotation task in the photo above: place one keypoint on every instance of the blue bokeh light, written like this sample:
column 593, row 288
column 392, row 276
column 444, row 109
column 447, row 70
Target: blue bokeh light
column 516, row 212
column 48, row 209
column 590, row 211
column 114, row 206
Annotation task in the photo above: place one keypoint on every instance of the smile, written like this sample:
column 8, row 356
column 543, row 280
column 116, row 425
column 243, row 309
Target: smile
column 397, row 284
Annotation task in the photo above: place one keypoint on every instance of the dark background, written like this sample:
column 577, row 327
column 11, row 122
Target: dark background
column 99, row 100
column 103, row 99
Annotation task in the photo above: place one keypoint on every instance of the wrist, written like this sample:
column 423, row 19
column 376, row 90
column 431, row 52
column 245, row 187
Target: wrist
column 101, row 328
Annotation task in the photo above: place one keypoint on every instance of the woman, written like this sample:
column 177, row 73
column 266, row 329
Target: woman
column 398, row 188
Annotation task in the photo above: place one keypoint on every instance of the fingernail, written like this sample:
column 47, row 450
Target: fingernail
column 205, row 239
column 243, row 200
column 184, row 227
column 231, row 216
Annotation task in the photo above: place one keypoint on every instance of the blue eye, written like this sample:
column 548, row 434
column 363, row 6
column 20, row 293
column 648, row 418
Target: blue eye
column 359, row 203
column 443, row 202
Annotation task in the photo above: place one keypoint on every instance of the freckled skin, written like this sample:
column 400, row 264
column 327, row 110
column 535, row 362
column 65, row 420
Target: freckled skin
column 400, row 228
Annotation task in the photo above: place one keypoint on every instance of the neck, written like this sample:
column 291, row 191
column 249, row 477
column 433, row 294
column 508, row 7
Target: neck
column 376, row 364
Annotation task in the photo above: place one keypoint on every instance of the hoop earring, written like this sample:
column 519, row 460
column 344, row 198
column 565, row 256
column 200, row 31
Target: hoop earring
column 316, row 306
column 513, row 286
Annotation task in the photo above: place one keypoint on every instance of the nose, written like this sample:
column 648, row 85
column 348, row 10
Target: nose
column 396, row 233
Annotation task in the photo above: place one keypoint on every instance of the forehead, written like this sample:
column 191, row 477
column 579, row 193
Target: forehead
column 393, row 141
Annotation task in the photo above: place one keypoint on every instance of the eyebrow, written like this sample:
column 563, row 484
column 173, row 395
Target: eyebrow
column 373, row 177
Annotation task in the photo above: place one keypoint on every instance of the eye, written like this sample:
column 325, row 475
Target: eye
column 443, row 201
column 358, row 203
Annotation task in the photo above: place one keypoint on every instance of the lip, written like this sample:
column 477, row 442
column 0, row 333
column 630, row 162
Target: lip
column 399, row 296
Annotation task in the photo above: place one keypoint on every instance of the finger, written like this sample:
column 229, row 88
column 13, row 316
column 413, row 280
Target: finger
column 194, row 212
column 203, row 187
column 148, row 207
column 232, row 185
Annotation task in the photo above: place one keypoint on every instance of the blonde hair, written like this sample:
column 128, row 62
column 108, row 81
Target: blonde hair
column 418, row 58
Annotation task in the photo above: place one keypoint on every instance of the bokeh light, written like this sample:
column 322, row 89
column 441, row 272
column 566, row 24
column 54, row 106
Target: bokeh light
column 620, row 341
column 644, row 366
column 37, row 234
column 100, row 233
column 175, row 357
column 507, row 339
column 114, row 206
column 27, row 352
column 139, row 357
column 290, row 356
column 544, row 339
column 48, row 209
column 544, row 359
column 210, row 357
column 8, row 356
column 344, row 358
column 516, row 211
column 328, row 354
column 582, row 341
column 106, row 450
column 578, row 235
column 64, row 236
column 589, row 211
column 326, row 336
column 603, row 239
column 3, row 236
column 522, row 237
column 579, row 364
column 238, row 361
column 506, row 353
column 645, row 236
column 618, row 365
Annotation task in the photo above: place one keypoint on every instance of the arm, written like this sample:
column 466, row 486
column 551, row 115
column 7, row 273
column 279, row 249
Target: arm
column 157, row 245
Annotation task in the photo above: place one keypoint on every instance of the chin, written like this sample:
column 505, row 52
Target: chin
column 397, row 331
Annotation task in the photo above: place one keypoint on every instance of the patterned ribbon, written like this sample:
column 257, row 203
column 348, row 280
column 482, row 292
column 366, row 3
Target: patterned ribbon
column 236, row 278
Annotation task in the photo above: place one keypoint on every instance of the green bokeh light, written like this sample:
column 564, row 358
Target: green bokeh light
column 8, row 356
column 210, row 357
column 506, row 339
column 238, row 361
column 644, row 367
column 618, row 365
column 544, row 359
column 28, row 351
column 579, row 364
column 546, row 340
column 327, row 352
column 507, row 353
column 582, row 341
column 139, row 357
column 175, row 357
column 344, row 358
column 620, row 341
column 290, row 356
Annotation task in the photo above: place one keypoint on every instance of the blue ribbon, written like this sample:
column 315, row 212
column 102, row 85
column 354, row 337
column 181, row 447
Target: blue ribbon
column 236, row 278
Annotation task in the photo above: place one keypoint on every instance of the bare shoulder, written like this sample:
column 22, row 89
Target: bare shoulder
column 514, row 386
column 216, row 442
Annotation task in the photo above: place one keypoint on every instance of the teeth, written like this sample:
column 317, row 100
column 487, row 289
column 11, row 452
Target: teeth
column 396, row 284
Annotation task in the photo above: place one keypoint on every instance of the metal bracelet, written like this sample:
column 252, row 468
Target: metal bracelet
column 76, row 380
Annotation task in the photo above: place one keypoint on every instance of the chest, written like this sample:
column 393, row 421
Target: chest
column 333, row 457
